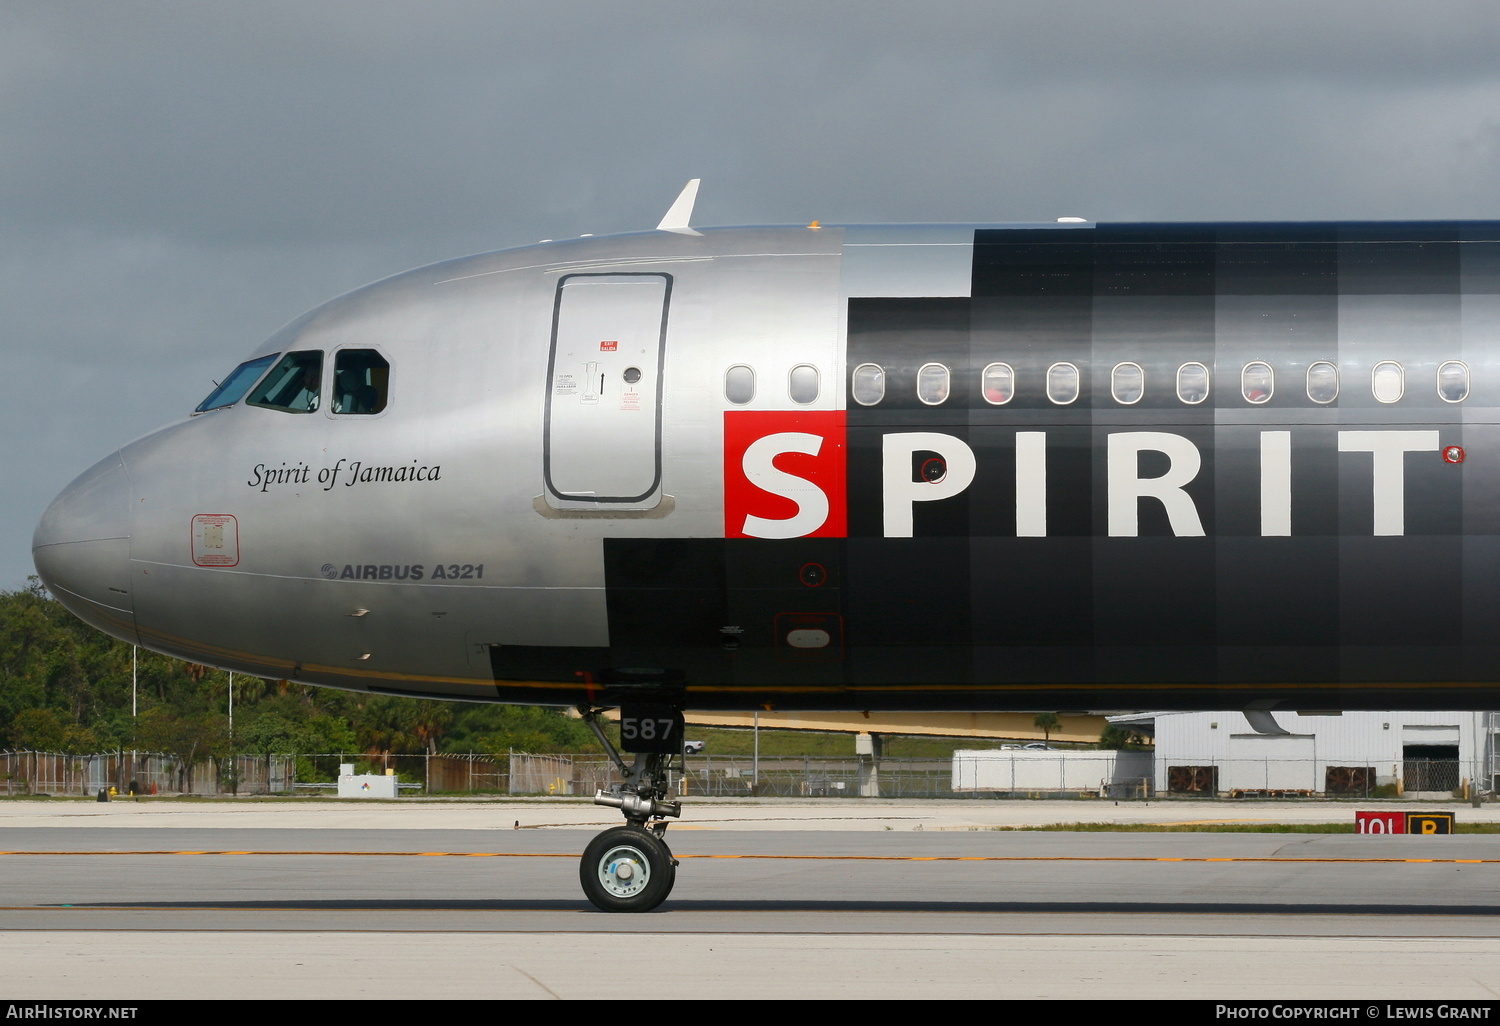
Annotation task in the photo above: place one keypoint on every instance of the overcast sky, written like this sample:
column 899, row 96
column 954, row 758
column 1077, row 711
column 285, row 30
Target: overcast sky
column 177, row 180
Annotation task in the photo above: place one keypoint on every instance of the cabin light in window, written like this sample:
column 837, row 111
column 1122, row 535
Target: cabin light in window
column 998, row 383
column 739, row 384
column 1126, row 383
column 1388, row 381
column 1192, row 383
column 932, row 384
column 1453, row 382
column 802, row 384
column 1062, row 383
column 1257, row 382
column 1322, row 382
column 867, row 384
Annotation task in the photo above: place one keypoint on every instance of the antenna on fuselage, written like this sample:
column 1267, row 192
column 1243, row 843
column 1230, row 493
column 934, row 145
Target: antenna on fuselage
column 681, row 211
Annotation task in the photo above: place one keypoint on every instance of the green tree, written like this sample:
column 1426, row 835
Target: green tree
column 1046, row 722
column 68, row 688
column 40, row 730
column 497, row 729
column 1117, row 738
column 188, row 738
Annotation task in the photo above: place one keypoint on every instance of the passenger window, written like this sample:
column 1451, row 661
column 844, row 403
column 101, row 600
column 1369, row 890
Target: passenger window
column 1453, row 382
column 932, row 384
column 868, row 384
column 1322, row 382
column 1192, row 383
column 998, row 384
column 1126, row 383
column 294, row 384
column 361, row 378
column 739, row 384
column 802, row 384
column 1388, row 381
column 1257, row 382
column 236, row 385
column 1062, row 383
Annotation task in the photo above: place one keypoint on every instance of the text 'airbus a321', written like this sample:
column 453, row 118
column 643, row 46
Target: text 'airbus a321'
column 1019, row 467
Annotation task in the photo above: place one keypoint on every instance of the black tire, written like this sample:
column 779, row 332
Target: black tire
column 626, row 869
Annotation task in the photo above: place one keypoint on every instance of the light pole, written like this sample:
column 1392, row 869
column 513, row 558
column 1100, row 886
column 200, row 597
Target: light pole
column 755, row 759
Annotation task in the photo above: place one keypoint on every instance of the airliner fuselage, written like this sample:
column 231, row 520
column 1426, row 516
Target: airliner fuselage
column 993, row 467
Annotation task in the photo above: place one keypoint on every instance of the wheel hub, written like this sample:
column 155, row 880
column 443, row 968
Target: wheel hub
column 624, row 871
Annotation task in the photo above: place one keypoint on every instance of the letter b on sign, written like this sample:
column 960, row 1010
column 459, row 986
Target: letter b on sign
column 1429, row 822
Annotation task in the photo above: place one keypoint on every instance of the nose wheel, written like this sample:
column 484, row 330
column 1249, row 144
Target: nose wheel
column 630, row 868
column 627, row 869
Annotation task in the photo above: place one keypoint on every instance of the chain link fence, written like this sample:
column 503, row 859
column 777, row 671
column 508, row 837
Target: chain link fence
column 1308, row 778
column 25, row 773
column 143, row 773
column 520, row 773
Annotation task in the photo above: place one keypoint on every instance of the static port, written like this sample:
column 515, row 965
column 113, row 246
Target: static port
column 934, row 470
column 812, row 574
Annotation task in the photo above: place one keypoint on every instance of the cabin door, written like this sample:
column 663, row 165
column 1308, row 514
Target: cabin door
column 602, row 443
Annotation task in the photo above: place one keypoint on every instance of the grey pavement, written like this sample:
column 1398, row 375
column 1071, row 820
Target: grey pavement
column 698, row 814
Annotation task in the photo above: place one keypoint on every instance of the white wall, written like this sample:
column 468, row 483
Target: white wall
column 1250, row 760
column 1020, row 770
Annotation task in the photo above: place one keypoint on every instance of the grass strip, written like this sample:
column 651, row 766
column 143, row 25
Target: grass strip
column 1225, row 828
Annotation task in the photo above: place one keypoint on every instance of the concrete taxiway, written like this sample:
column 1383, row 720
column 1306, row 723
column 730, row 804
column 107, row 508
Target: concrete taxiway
column 698, row 814
column 830, row 898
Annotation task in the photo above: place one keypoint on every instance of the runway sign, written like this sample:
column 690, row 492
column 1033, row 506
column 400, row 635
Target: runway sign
column 1429, row 822
column 1403, row 822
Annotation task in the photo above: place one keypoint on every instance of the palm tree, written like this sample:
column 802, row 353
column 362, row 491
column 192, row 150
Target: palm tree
column 1046, row 722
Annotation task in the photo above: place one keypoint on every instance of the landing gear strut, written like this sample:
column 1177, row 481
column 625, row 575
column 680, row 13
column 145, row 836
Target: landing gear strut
column 630, row 868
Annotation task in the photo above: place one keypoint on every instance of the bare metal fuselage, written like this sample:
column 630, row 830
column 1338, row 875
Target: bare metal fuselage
column 526, row 521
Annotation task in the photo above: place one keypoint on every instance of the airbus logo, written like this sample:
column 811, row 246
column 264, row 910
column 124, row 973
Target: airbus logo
column 376, row 572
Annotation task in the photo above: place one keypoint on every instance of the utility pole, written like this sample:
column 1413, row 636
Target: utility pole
column 755, row 760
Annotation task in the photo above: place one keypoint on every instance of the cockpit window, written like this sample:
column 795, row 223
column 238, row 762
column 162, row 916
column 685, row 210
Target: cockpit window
column 236, row 385
column 293, row 385
column 360, row 380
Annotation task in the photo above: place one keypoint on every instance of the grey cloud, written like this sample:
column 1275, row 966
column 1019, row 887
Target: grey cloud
column 179, row 179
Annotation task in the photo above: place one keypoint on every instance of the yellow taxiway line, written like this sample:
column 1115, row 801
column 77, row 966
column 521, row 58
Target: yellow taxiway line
column 789, row 858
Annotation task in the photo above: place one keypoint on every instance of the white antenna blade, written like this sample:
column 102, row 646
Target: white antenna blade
column 681, row 211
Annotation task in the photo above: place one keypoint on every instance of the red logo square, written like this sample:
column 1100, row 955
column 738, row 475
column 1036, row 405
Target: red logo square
column 784, row 474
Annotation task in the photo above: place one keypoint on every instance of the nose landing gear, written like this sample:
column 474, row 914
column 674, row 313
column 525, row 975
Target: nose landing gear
column 630, row 868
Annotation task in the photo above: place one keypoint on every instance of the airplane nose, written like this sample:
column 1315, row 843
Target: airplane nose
column 82, row 548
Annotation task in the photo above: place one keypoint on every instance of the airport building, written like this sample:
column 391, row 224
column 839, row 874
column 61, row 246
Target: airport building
column 1374, row 754
column 1423, row 755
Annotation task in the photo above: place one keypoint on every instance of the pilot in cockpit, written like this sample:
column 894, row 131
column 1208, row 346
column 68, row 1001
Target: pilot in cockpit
column 307, row 399
column 351, row 394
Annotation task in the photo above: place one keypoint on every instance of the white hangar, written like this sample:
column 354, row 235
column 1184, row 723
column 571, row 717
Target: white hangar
column 1358, row 754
